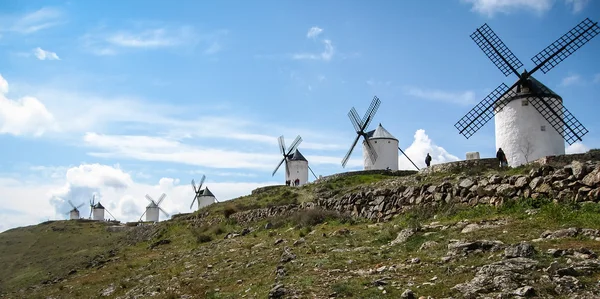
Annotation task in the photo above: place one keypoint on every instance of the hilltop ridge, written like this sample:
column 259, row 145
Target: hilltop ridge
column 450, row 232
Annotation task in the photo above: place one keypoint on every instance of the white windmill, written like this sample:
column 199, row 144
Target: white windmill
column 531, row 120
column 296, row 165
column 97, row 210
column 152, row 209
column 380, row 148
column 204, row 197
column 74, row 213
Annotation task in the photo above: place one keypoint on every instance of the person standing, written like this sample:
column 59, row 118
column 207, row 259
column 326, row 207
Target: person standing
column 501, row 157
column 428, row 160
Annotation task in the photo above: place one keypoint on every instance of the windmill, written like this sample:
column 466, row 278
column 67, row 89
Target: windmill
column 97, row 210
column 296, row 165
column 204, row 197
column 520, row 127
column 74, row 213
column 379, row 146
column 153, row 208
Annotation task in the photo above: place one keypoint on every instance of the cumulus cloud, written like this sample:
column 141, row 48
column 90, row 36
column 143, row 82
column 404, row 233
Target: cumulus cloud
column 577, row 148
column 42, row 54
column 493, row 7
column 25, row 116
column 30, row 202
column 314, row 32
column 419, row 148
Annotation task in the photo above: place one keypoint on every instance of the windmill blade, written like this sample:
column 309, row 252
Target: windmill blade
column 160, row 200
column 201, row 182
column 166, row 214
column 287, row 169
column 294, row 145
column 567, row 126
column 143, row 214
column 79, row 206
column 194, row 186
column 312, row 172
column 347, row 156
column 277, row 168
column 150, row 199
column 356, row 122
column 566, row 45
column 371, row 150
column 413, row 163
column 193, row 201
column 484, row 111
column 281, row 142
column 110, row 214
column 72, row 205
column 371, row 113
column 496, row 50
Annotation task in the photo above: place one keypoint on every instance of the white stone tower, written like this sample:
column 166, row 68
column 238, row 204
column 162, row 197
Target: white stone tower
column 74, row 214
column 298, row 168
column 152, row 212
column 206, row 198
column 386, row 147
column 98, row 212
column 522, row 132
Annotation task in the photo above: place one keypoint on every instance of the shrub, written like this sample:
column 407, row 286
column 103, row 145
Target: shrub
column 202, row 238
column 229, row 210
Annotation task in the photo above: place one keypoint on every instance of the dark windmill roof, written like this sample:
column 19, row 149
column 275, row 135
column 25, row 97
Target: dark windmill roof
column 297, row 156
column 152, row 205
column 207, row 192
column 539, row 87
column 98, row 206
column 380, row 132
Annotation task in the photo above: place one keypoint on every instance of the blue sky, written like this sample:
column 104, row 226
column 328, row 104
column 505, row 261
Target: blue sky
column 141, row 97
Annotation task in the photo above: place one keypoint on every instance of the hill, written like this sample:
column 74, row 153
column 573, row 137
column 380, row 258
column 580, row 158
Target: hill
column 453, row 233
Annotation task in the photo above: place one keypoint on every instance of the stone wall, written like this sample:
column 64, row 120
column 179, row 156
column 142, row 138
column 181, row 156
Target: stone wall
column 488, row 163
column 562, row 160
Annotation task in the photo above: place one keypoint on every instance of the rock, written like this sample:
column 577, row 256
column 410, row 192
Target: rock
column 108, row 291
column 506, row 190
column 470, row 228
column 526, row 291
column 287, row 255
column 278, row 241
column 593, row 178
column 561, row 233
column 535, row 182
column 299, row 242
column 415, row 260
column 519, row 250
column 463, row 248
column 403, row 236
column 466, row 183
column 521, row 182
column 578, row 169
column 495, row 179
column 428, row 244
column 408, row 294
column 269, row 225
column 277, row 292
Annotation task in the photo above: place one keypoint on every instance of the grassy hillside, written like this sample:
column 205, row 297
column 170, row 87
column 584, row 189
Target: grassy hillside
column 310, row 254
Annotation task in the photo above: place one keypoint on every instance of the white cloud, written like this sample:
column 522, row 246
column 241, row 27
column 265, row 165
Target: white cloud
column 145, row 36
column 576, row 148
column 313, row 32
column 461, row 98
column 571, row 80
column 326, row 55
column 44, row 55
column 578, row 5
column 25, row 116
column 418, row 150
column 32, row 22
column 117, row 191
column 492, row 7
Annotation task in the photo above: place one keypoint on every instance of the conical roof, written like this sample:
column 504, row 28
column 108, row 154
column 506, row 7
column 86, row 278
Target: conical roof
column 207, row 192
column 297, row 156
column 152, row 205
column 98, row 206
column 381, row 133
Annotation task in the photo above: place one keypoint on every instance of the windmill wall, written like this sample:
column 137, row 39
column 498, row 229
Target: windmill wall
column 387, row 154
column 98, row 214
column 298, row 170
column 204, row 201
column 152, row 214
column 522, row 131
column 74, row 215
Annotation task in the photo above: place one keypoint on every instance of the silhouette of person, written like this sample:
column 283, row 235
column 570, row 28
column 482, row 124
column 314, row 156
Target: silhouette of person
column 428, row 160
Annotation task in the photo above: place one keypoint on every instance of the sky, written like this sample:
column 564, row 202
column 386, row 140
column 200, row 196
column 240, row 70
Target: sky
column 144, row 96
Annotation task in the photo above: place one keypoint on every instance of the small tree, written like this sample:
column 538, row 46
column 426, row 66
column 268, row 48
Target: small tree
column 526, row 147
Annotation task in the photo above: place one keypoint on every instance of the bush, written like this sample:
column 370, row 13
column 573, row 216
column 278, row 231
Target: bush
column 202, row 238
column 229, row 210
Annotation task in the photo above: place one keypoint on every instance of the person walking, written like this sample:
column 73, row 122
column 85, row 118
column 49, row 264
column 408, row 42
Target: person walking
column 428, row 160
column 501, row 157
